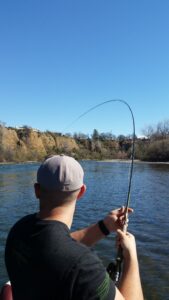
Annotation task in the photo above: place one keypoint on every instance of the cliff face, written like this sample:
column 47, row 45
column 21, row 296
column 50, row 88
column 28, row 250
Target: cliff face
column 9, row 138
column 26, row 144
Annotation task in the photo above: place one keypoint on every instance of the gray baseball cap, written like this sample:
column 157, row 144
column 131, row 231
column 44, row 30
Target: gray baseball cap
column 60, row 172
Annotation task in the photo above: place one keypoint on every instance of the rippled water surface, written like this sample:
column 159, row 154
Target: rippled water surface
column 107, row 184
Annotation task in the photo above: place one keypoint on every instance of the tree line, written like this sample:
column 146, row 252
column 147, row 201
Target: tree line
column 96, row 135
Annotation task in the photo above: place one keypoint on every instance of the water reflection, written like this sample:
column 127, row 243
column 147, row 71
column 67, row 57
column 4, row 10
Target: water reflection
column 107, row 185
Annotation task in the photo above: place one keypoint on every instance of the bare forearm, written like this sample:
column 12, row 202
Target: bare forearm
column 130, row 283
column 89, row 235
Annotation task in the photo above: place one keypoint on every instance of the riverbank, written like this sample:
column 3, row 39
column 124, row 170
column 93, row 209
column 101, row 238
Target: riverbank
column 19, row 163
column 135, row 161
column 104, row 160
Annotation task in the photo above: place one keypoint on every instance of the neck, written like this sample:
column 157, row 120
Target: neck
column 63, row 214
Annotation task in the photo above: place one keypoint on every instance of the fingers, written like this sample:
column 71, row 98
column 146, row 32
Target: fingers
column 122, row 215
column 117, row 218
column 123, row 234
column 127, row 241
column 121, row 211
column 129, row 209
column 120, row 237
column 120, row 233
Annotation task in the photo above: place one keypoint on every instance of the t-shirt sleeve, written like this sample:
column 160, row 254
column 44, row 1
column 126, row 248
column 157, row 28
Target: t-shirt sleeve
column 90, row 280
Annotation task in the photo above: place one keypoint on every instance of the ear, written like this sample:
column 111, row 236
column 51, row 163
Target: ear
column 37, row 190
column 82, row 191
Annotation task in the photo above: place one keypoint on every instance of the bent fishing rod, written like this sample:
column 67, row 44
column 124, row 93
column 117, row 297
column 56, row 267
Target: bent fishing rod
column 114, row 268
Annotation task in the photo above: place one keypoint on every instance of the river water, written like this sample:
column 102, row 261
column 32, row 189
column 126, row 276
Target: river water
column 107, row 184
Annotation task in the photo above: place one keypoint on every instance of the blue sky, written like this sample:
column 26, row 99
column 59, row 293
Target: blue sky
column 59, row 58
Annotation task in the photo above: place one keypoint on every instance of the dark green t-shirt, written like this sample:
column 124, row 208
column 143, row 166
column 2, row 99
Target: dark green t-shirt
column 44, row 262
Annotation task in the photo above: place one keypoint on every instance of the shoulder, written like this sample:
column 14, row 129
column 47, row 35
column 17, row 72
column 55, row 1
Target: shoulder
column 26, row 219
column 21, row 227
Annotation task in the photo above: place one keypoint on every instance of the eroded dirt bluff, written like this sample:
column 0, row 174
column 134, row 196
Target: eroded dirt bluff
column 28, row 144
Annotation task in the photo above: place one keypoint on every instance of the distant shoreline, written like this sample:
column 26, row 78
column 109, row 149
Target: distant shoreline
column 19, row 163
column 104, row 160
column 136, row 161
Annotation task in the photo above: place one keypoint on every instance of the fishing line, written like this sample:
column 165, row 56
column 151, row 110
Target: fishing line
column 132, row 149
column 114, row 269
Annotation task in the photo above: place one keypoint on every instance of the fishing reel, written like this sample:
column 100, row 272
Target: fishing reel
column 114, row 269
